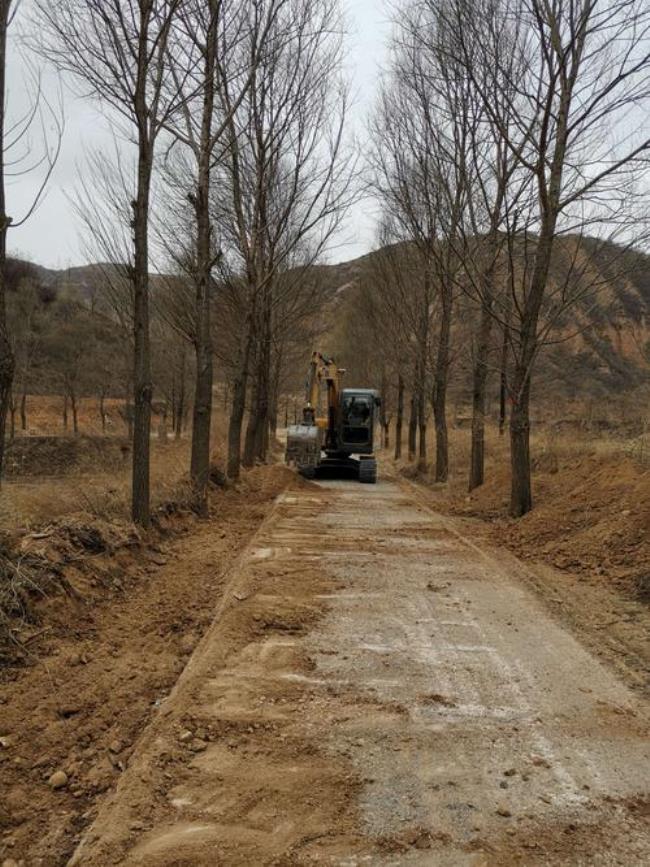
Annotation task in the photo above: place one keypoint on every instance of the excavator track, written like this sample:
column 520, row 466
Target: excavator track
column 368, row 471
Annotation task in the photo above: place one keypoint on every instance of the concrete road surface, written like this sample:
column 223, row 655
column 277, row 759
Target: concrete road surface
column 375, row 689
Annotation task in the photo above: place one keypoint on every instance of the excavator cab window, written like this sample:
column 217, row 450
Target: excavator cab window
column 357, row 411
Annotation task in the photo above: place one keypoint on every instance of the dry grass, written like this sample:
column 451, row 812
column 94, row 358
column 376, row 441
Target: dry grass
column 550, row 449
column 105, row 493
column 36, row 501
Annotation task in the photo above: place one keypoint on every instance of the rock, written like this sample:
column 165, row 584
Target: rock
column 540, row 761
column 510, row 772
column 198, row 746
column 504, row 810
column 9, row 862
column 115, row 746
column 6, row 741
column 58, row 780
column 186, row 736
column 503, row 784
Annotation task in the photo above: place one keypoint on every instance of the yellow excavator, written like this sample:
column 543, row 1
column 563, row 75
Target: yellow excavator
column 340, row 439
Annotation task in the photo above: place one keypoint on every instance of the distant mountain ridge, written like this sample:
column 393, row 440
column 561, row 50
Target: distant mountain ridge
column 610, row 353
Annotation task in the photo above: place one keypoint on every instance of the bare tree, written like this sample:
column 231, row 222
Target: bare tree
column 581, row 89
column 283, row 187
column 420, row 129
column 120, row 52
column 17, row 158
column 215, row 33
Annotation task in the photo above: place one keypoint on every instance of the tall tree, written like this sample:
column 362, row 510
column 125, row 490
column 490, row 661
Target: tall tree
column 13, row 134
column 581, row 75
column 283, row 188
column 214, row 32
column 121, row 52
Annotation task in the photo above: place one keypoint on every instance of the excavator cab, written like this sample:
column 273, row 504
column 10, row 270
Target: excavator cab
column 357, row 426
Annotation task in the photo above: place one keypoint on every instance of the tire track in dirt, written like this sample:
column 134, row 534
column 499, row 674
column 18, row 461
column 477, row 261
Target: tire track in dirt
column 375, row 690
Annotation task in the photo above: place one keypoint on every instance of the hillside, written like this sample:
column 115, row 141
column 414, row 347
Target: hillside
column 599, row 349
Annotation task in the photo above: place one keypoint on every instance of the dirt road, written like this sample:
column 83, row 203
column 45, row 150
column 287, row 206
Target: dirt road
column 377, row 690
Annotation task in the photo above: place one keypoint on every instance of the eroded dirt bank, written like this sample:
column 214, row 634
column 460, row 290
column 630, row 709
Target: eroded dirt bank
column 377, row 690
column 105, row 661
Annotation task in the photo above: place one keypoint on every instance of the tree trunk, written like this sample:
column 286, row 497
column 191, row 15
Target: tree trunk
column 521, row 496
column 261, row 441
column 503, row 387
column 521, row 499
column 240, row 386
column 75, row 415
column 413, row 427
column 7, row 361
column 422, row 423
column 383, row 418
column 441, row 379
column 65, row 412
column 142, row 387
column 23, row 411
column 477, row 458
column 202, row 418
column 399, row 424
column 180, row 404
column 248, row 458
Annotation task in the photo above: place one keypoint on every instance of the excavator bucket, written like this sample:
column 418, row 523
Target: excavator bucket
column 304, row 447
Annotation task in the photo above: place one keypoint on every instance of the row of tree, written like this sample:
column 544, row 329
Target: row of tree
column 229, row 166
column 503, row 125
column 72, row 346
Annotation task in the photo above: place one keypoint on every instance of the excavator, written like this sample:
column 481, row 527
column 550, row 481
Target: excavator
column 340, row 440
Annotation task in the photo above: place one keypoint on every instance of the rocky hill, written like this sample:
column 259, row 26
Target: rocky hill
column 599, row 349
column 603, row 342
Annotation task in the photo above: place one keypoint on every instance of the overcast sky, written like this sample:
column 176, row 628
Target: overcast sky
column 51, row 237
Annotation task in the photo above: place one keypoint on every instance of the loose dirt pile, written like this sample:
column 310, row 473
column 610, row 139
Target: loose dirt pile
column 103, row 655
column 591, row 517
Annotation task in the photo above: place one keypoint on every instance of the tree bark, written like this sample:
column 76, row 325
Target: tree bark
column 400, row 417
column 503, row 387
column 521, row 499
column 23, row 411
column 239, row 389
column 202, row 416
column 413, row 427
column 521, row 496
column 180, row 404
column 477, row 457
column 441, row 381
column 248, row 458
column 142, row 387
column 422, row 422
column 7, row 360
